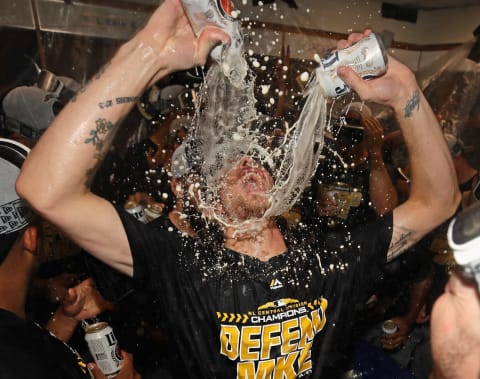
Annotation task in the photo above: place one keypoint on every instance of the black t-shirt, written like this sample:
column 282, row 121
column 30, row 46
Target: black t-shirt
column 27, row 351
column 233, row 316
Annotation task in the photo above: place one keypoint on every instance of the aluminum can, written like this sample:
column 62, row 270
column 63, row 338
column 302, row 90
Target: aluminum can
column 136, row 210
column 367, row 57
column 218, row 13
column 464, row 239
column 389, row 327
column 104, row 348
column 152, row 212
column 345, row 196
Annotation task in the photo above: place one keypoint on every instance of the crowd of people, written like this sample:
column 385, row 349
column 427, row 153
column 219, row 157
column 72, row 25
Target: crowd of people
column 207, row 301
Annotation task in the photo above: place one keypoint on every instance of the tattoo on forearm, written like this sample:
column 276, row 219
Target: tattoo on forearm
column 97, row 138
column 412, row 104
column 98, row 135
column 401, row 239
column 118, row 100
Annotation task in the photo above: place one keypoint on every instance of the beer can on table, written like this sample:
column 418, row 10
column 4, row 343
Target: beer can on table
column 104, row 348
column 136, row 210
column 367, row 57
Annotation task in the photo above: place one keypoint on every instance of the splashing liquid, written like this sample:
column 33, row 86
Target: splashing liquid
column 226, row 129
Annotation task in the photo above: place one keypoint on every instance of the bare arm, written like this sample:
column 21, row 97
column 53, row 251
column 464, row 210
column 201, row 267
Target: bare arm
column 54, row 178
column 434, row 194
column 382, row 192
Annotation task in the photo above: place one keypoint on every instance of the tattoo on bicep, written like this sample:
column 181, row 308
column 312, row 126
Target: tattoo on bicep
column 412, row 104
column 402, row 238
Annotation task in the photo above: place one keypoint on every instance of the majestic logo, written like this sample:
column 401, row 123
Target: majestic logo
column 275, row 284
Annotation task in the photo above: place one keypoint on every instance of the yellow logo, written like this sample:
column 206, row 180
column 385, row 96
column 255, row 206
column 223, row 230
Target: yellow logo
column 277, row 303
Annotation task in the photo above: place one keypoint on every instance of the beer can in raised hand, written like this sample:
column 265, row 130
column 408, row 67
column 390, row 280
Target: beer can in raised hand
column 218, row 13
column 367, row 57
column 221, row 14
column 104, row 348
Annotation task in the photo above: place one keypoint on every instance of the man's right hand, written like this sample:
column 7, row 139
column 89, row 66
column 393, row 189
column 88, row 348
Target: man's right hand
column 393, row 88
column 170, row 34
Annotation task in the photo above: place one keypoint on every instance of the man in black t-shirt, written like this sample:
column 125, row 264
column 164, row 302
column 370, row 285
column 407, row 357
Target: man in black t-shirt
column 261, row 305
column 26, row 349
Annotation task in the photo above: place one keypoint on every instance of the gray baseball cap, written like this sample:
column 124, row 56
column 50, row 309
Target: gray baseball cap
column 29, row 110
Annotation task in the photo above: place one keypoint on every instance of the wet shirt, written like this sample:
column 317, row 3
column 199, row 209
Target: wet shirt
column 28, row 351
column 233, row 316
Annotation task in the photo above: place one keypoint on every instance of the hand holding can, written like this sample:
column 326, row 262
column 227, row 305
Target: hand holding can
column 366, row 57
column 103, row 346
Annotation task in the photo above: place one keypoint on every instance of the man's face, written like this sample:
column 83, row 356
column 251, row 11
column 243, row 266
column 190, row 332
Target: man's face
column 244, row 191
column 455, row 329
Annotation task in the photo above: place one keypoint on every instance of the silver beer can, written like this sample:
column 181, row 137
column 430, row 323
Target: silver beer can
column 104, row 348
column 136, row 210
column 367, row 57
column 389, row 327
column 218, row 13
column 153, row 211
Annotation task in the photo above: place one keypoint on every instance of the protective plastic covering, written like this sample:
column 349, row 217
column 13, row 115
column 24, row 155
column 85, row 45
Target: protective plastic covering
column 452, row 86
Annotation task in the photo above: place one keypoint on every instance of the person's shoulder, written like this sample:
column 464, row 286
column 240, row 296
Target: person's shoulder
column 21, row 354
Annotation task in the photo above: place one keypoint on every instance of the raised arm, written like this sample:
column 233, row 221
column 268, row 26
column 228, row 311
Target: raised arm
column 434, row 194
column 382, row 192
column 54, row 178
